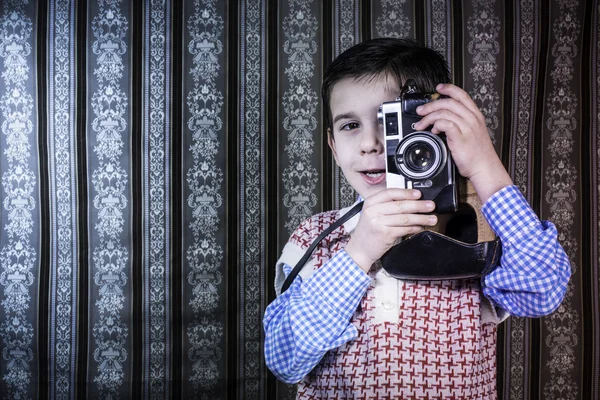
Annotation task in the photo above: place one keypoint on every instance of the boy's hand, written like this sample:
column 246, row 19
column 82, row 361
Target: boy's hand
column 468, row 140
column 387, row 216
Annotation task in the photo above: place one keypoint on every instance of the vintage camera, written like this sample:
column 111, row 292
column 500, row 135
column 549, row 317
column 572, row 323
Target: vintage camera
column 417, row 159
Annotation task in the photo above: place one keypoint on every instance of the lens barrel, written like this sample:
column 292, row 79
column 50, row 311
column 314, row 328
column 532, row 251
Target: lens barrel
column 420, row 155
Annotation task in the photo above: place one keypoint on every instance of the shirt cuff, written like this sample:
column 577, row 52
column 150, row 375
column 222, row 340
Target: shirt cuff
column 509, row 215
column 340, row 283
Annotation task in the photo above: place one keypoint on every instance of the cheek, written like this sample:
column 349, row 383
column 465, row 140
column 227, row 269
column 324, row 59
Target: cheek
column 345, row 142
column 342, row 152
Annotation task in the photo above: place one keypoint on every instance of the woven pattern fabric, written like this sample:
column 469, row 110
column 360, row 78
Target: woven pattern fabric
column 439, row 349
column 313, row 227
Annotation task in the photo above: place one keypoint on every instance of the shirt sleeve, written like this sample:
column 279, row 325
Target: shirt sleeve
column 313, row 317
column 534, row 269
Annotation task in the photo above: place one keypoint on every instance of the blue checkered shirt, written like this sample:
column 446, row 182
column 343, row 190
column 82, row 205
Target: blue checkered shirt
column 313, row 317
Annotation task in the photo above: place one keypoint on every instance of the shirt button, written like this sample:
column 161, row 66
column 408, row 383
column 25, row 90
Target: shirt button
column 388, row 305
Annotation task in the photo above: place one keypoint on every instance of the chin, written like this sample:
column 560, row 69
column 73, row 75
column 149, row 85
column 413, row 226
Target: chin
column 371, row 190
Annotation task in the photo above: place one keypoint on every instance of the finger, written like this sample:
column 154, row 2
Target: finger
column 459, row 95
column 396, row 207
column 406, row 220
column 450, row 111
column 445, row 121
column 452, row 131
column 449, row 105
column 458, row 101
column 391, row 194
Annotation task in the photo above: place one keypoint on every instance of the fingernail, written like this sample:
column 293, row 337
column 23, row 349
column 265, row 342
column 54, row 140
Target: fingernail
column 416, row 193
column 433, row 220
column 430, row 205
column 419, row 109
column 439, row 86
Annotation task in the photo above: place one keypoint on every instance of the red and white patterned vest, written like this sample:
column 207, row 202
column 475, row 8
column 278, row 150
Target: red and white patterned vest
column 416, row 340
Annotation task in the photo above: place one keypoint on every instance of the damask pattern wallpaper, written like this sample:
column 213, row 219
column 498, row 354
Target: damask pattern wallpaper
column 156, row 156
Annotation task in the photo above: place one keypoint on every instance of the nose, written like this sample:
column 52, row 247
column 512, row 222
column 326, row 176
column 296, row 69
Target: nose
column 371, row 140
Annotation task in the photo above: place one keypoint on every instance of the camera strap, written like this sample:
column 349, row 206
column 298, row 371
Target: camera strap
column 427, row 255
column 432, row 256
column 296, row 270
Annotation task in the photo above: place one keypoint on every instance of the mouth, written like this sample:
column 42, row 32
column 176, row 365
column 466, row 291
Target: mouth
column 374, row 176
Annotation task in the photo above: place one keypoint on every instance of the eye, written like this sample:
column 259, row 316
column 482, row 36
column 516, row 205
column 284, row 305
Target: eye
column 349, row 126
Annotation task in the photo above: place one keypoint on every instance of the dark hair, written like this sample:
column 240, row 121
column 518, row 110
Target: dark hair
column 399, row 58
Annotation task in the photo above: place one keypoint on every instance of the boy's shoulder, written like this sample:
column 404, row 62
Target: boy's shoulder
column 313, row 226
column 300, row 241
column 303, row 237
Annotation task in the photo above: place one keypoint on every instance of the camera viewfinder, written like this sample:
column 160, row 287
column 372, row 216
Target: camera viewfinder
column 391, row 121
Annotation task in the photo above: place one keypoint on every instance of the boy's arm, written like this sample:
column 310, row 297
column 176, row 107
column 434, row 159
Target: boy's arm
column 534, row 270
column 313, row 317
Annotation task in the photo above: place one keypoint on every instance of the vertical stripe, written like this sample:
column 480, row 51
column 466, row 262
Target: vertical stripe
column 75, row 245
column 63, row 197
column 585, row 117
column 481, row 67
column 242, row 212
column 157, row 221
column 595, row 173
column 110, row 235
column 458, row 43
column 525, row 77
column 526, row 40
column 41, row 370
column 394, row 18
column 346, row 35
column 301, row 144
column 148, row 264
column 252, row 198
column 204, row 267
column 81, row 166
column 561, row 181
column 134, row 64
column 176, row 48
column 299, row 104
column 19, row 247
column 439, row 34
column 166, row 125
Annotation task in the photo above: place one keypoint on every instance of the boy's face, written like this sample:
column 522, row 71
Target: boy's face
column 357, row 137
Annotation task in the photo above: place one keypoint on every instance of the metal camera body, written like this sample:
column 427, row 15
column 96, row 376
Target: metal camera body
column 417, row 159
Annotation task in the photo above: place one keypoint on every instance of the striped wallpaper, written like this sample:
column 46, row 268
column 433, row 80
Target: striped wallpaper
column 156, row 155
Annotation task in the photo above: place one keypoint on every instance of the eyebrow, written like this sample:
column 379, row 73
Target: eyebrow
column 348, row 115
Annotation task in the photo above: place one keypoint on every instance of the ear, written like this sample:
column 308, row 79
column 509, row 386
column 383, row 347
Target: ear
column 331, row 143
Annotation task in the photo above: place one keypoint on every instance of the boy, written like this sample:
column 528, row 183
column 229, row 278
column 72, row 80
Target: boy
column 345, row 328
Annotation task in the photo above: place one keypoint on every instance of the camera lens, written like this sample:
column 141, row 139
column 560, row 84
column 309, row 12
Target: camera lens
column 419, row 156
